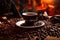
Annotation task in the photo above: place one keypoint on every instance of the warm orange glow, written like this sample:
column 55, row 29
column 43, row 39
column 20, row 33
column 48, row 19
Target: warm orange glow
column 34, row 3
column 47, row 1
column 51, row 6
column 43, row 6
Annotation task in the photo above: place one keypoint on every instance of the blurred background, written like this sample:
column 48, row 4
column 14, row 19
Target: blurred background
column 51, row 6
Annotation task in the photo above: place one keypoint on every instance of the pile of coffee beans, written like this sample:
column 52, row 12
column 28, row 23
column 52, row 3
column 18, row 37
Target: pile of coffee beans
column 10, row 30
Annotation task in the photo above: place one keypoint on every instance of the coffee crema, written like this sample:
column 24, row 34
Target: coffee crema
column 29, row 15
